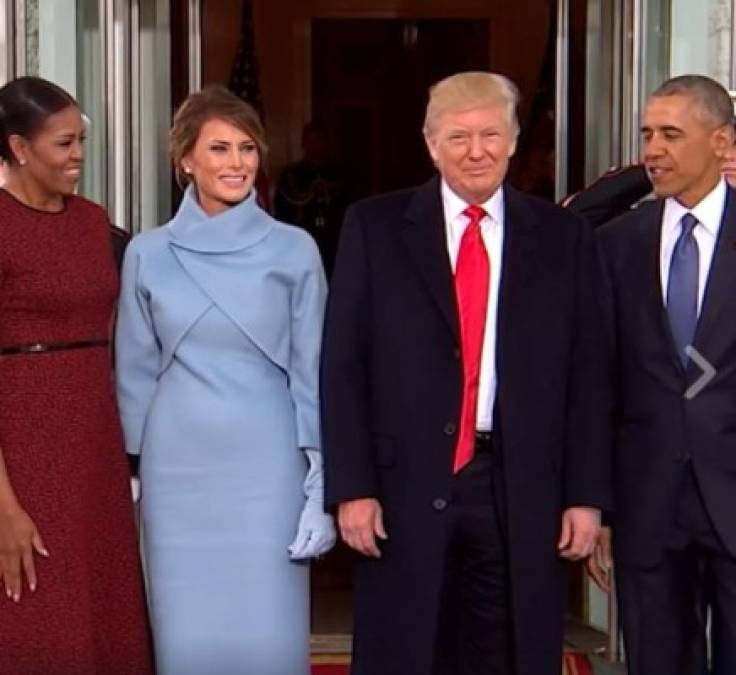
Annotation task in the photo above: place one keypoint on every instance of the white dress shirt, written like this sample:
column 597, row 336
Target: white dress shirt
column 709, row 212
column 491, row 228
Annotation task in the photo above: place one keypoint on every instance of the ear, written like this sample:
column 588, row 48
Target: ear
column 512, row 148
column 722, row 140
column 185, row 164
column 432, row 145
column 19, row 147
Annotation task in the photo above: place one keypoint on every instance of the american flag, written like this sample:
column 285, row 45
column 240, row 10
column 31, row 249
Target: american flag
column 244, row 74
column 244, row 83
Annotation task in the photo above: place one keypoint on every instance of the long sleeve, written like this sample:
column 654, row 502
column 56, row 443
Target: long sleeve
column 307, row 316
column 588, row 461
column 137, row 353
column 613, row 194
column 349, row 462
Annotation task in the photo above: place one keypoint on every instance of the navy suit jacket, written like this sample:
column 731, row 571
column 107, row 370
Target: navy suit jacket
column 658, row 421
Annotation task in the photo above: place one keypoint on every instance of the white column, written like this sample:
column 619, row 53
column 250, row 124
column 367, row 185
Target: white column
column 6, row 42
column 154, row 116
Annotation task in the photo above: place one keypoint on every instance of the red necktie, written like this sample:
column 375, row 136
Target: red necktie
column 472, row 276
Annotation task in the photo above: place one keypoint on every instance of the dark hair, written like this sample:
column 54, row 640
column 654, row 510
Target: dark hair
column 25, row 105
column 714, row 102
column 212, row 102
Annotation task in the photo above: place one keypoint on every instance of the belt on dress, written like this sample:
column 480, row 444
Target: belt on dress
column 42, row 347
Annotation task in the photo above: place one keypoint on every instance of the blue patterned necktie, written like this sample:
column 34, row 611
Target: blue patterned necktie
column 682, row 287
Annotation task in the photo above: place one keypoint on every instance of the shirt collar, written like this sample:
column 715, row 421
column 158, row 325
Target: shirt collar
column 708, row 211
column 455, row 205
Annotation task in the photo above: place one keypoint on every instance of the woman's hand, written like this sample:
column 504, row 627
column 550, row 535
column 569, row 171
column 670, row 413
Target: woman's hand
column 19, row 538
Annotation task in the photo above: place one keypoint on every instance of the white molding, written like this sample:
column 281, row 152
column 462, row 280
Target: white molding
column 7, row 48
column 19, row 30
column 194, row 44
column 562, row 93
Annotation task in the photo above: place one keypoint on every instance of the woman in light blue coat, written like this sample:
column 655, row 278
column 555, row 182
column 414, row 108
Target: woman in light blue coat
column 218, row 340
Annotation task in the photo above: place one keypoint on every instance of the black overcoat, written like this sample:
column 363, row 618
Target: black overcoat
column 391, row 387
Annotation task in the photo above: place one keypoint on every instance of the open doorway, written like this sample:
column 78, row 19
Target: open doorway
column 369, row 87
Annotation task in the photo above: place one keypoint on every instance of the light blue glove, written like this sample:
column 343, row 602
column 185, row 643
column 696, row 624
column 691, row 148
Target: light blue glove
column 316, row 532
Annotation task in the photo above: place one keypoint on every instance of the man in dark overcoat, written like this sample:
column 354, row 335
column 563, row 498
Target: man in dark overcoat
column 465, row 405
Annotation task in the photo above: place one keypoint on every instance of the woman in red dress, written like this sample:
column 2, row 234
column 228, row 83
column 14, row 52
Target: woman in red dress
column 69, row 562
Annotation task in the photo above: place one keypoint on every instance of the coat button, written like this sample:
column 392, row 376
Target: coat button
column 458, row 353
column 449, row 429
column 439, row 504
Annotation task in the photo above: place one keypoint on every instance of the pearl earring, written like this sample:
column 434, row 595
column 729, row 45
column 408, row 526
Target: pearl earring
column 187, row 169
column 22, row 162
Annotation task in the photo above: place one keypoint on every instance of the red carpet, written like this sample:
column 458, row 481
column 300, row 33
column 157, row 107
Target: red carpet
column 573, row 664
column 330, row 669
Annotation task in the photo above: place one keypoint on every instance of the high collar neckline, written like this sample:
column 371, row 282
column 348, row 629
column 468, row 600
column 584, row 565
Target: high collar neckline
column 235, row 229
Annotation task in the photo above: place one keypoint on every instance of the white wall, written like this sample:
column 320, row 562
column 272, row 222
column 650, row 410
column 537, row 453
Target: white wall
column 700, row 39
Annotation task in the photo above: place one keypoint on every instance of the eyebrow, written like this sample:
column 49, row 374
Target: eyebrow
column 217, row 140
column 664, row 127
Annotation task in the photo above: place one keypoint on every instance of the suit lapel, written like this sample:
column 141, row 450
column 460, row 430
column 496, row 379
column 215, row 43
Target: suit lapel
column 720, row 285
column 425, row 239
column 651, row 285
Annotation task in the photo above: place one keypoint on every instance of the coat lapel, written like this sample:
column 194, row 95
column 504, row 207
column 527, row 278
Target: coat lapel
column 519, row 263
column 719, row 289
column 651, row 285
column 424, row 235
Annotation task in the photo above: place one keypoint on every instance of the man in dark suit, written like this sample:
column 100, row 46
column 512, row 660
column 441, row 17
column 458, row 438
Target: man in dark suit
column 464, row 405
column 671, row 265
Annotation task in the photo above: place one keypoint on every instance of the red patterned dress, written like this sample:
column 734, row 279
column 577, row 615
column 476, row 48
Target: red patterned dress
column 60, row 436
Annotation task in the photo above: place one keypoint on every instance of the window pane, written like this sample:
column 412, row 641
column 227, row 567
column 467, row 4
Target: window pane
column 701, row 38
column 63, row 45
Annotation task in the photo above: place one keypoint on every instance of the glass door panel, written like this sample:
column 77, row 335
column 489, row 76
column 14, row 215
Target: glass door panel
column 61, row 42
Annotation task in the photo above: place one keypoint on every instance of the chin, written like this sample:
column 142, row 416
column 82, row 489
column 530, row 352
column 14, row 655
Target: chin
column 234, row 200
column 68, row 189
column 234, row 196
column 662, row 192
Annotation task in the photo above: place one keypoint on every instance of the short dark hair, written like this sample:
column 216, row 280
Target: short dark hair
column 212, row 102
column 25, row 105
column 712, row 98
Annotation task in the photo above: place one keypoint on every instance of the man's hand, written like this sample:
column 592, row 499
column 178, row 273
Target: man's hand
column 600, row 563
column 360, row 522
column 580, row 527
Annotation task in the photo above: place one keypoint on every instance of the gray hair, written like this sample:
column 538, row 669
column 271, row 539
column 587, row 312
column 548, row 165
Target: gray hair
column 711, row 98
column 470, row 90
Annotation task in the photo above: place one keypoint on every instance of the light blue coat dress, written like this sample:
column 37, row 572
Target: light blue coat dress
column 218, row 340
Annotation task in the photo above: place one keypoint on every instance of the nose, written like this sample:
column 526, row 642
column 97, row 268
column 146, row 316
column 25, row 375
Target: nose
column 236, row 158
column 476, row 147
column 653, row 147
column 76, row 151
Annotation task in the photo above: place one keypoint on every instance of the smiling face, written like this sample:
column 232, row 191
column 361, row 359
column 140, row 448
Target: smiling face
column 471, row 149
column 683, row 150
column 52, row 158
column 223, row 165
